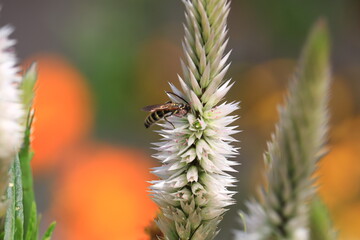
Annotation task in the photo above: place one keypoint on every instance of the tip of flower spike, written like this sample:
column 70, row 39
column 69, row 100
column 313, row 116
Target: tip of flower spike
column 320, row 30
column 316, row 53
column 321, row 23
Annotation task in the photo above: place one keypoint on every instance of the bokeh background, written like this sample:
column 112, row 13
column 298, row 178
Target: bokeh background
column 101, row 61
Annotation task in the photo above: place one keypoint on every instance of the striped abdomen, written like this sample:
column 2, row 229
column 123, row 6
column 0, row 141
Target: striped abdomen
column 155, row 116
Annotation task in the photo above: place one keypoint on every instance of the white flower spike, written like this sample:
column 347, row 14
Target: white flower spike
column 192, row 192
column 11, row 109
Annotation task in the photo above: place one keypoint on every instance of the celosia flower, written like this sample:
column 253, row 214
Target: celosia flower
column 11, row 117
column 192, row 192
column 282, row 212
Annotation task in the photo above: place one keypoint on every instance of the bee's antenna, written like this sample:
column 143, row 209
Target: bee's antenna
column 177, row 96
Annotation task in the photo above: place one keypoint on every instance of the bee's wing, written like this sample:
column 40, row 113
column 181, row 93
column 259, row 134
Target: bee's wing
column 153, row 108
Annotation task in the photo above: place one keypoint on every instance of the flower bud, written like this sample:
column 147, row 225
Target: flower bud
column 188, row 207
column 197, row 188
column 179, row 181
column 183, row 230
column 192, row 174
column 200, row 233
column 178, row 215
column 201, row 200
column 183, row 195
column 195, row 218
column 209, row 213
column 189, row 155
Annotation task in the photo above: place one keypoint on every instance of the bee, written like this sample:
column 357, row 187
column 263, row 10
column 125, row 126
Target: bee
column 163, row 111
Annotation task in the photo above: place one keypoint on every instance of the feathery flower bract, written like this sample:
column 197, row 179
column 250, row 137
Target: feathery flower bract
column 11, row 117
column 192, row 192
column 295, row 148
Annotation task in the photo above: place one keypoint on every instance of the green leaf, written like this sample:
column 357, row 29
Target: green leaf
column 26, row 155
column 14, row 219
column 33, row 224
column 27, row 86
column 243, row 220
column 319, row 222
column 49, row 231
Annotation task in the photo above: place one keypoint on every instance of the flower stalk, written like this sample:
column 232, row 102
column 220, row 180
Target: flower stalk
column 295, row 149
column 192, row 192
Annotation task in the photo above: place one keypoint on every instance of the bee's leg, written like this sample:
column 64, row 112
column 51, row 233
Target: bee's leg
column 165, row 118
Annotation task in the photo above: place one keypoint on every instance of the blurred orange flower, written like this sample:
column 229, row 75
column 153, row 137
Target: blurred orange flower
column 103, row 195
column 266, row 78
column 341, row 100
column 263, row 115
column 348, row 130
column 340, row 174
column 63, row 113
column 339, row 177
column 348, row 221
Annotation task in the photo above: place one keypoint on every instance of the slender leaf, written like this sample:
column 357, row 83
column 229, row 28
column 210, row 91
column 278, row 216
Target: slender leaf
column 32, row 228
column 26, row 155
column 27, row 86
column 15, row 216
column 49, row 231
column 320, row 224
